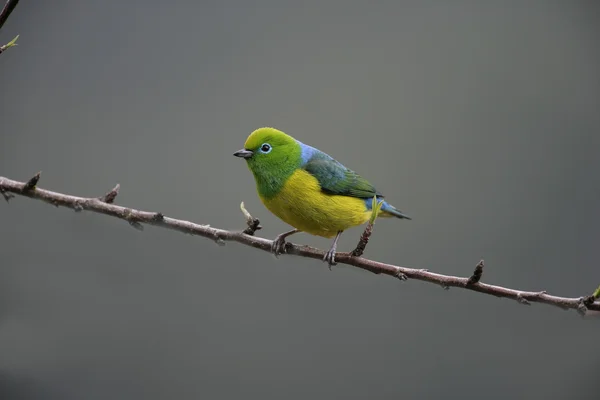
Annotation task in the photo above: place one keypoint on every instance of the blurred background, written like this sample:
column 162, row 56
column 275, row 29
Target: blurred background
column 478, row 119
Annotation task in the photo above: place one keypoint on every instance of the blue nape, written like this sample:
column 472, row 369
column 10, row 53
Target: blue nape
column 307, row 152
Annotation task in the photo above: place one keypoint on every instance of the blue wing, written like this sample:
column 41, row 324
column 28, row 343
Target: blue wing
column 334, row 177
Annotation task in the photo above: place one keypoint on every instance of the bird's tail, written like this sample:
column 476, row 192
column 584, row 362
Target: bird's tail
column 388, row 210
column 393, row 211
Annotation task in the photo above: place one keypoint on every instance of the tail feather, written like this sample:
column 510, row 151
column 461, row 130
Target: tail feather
column 387, row 210
column 390, row 209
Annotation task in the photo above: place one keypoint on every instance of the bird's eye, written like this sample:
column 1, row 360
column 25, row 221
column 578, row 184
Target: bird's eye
column 265, row 148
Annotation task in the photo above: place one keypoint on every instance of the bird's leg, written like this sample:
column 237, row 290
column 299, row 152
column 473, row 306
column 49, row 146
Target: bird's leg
column 278, row 245
column 330, row 255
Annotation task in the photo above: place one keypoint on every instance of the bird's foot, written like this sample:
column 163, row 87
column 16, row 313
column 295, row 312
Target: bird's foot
column 278, row 246
column 329, row 258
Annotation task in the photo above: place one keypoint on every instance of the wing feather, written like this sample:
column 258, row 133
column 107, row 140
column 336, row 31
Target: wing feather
column 335, row 178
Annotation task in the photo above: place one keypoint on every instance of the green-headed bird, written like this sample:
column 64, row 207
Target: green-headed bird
column 308, row 189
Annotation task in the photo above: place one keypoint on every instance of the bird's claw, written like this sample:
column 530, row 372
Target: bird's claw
column 278, row 246
column 329, row 258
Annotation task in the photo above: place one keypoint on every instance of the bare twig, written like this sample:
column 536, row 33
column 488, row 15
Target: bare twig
column 8, row 8
column 137, row 218
column 364, row 238
column 4, row 14
column 253, row 223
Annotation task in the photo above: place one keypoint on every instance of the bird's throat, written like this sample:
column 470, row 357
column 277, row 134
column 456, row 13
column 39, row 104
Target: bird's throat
column 269, row 184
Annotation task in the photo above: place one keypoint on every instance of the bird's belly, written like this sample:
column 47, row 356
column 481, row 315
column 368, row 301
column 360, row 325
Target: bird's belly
column 303, row 205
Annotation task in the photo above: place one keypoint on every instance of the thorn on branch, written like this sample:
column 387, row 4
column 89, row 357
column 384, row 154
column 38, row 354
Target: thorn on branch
column 476, row 274
column 253, row 223
column 109, row 197
column 444, row 286
column 30, row 185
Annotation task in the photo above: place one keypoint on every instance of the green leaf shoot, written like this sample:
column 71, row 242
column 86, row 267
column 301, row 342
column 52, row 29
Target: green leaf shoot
column 10, row 44
column 376, row 209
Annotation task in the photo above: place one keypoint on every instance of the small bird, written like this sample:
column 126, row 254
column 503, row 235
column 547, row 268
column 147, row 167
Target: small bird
column 308, row 189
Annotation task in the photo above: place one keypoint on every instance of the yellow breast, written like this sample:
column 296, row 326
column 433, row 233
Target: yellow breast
column 303, row 205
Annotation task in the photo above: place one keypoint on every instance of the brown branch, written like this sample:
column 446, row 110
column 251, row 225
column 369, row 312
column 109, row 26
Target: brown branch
column 4, row 14
column 8, row 8
column 137, row 218
column 253, row 223
column 364, row 240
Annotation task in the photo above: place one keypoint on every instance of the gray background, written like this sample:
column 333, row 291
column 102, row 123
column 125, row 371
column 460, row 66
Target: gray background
column 479, row 119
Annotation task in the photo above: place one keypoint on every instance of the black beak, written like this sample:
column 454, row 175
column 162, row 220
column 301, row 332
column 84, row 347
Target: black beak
column 244, row 153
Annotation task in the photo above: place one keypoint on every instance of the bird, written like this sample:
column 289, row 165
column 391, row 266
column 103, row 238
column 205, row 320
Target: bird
column 308, row 189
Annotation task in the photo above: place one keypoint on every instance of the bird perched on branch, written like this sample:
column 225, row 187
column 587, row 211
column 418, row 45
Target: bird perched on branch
column 308, row 189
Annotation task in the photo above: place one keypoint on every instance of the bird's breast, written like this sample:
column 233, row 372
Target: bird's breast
column 302, row 204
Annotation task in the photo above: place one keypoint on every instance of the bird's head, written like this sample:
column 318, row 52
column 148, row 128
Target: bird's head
column 270, row 152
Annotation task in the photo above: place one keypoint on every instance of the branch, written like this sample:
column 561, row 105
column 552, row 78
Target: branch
column 137, row 219
column 8, row 8
column 4, row 14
